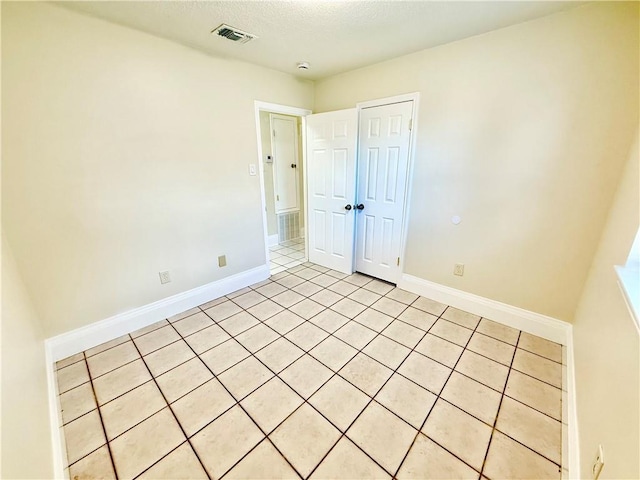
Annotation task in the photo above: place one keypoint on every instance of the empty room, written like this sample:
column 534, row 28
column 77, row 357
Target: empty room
column 320, row 239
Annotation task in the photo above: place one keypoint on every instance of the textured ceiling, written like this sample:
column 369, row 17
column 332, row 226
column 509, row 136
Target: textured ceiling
column 333, row 36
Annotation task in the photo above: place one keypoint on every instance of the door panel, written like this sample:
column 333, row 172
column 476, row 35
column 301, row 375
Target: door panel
column 382, row 181
column 284, row 141
column 331, row 154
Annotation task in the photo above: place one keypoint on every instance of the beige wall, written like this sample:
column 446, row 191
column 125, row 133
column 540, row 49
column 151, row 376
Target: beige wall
column 26, row 437
column 522, row 133
column 125, row 155
column 607, row 345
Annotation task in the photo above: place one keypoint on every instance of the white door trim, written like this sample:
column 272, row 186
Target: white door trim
column 286, row 110
column 415, row 97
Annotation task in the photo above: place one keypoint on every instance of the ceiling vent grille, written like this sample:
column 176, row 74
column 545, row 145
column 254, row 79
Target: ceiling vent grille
column 233, row 34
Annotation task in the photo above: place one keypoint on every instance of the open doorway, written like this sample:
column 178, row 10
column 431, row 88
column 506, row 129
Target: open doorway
column 281, row 150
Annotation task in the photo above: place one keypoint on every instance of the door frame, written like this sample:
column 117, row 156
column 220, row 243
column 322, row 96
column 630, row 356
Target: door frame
column 412, row 150
column 260, row 106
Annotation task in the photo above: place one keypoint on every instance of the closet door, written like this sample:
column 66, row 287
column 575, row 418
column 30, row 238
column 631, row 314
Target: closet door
column 331, row 177
column 284, row 146
column 383, row 161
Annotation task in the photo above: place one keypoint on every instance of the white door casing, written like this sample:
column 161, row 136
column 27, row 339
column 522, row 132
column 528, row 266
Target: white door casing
column 284, row 148
column 331, row 165
column 383, row 165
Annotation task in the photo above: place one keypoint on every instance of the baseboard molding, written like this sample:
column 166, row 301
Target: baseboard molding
column 81, row 339
column 574, row 439
column 525, row 320
column 58, row 446
column 272, row 240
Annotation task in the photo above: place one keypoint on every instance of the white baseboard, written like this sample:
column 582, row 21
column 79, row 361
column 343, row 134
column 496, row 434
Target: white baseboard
column 58, row 446
column 525, row 320
column 272, row 240
column 573, row 462
column 75, row 341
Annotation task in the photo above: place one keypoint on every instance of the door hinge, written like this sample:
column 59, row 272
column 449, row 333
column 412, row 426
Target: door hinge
column 278, row 198
column 274, row 133
column 410, row 124
column 398, row 262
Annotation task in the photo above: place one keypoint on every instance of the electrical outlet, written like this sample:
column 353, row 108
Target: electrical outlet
column 458, row 269
column 598, row 463
column 222, row 261
column 165, row 277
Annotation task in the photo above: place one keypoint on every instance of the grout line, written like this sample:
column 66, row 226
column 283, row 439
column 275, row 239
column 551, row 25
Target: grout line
column 495, row 422
column 168, row 405
column 438, row 397
column 104, row 430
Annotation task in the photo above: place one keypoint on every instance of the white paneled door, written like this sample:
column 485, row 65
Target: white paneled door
column 359, row 213
column 331, row 173
column 284, row 145
column 383, row 161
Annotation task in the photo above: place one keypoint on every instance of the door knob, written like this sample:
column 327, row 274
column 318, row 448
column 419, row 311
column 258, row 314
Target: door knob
column 347, row 207
column 360, row 206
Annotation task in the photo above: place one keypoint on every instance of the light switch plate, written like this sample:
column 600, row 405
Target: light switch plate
column 252, row 169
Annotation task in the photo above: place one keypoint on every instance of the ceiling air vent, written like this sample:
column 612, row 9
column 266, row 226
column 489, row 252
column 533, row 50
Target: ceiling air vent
column 233, row 34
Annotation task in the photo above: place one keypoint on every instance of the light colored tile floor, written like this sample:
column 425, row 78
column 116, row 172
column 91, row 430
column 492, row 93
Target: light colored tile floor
column 291, row 379
column 286, row 255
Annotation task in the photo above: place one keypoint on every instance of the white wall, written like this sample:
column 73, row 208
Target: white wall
column 26, row 437
column 125, row 155
column 523, row 132
column 607, row 346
